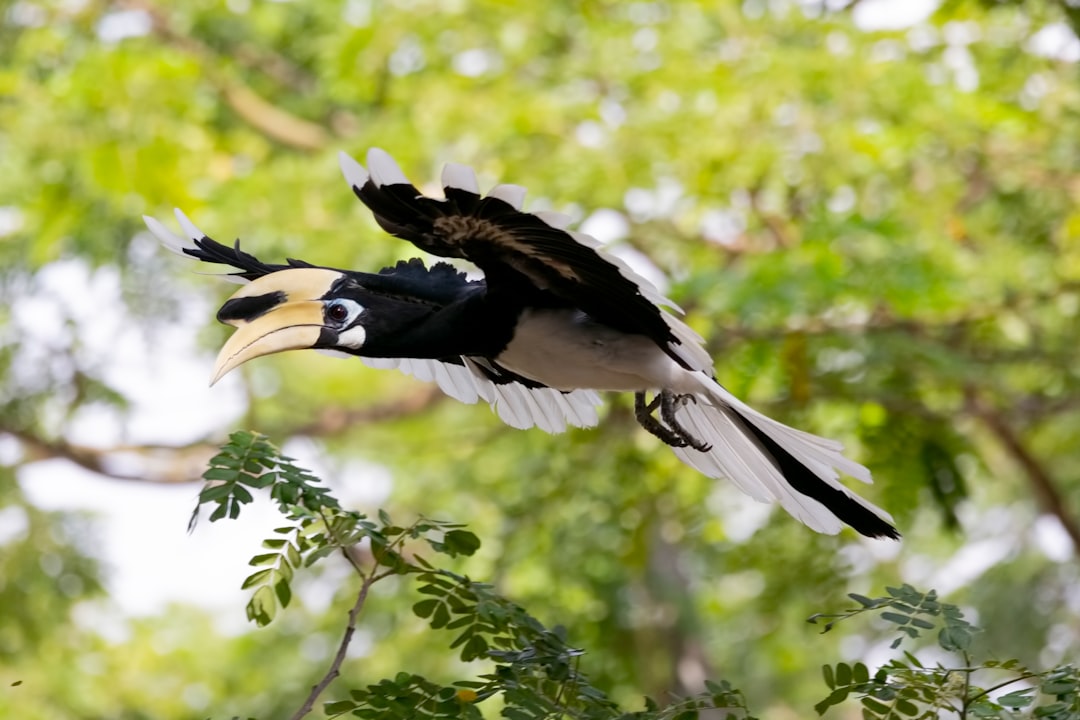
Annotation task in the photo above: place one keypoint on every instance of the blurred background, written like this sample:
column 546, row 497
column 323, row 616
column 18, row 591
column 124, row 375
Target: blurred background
column 868, row 208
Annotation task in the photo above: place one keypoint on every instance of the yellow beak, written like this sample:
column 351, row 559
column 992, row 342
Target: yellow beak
column 294, row 323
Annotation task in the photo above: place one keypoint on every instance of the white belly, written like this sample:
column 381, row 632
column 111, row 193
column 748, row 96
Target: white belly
column 566, row 350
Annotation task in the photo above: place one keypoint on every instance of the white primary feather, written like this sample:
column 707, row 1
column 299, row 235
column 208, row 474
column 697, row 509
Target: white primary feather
column 516, row 405
column 557, row 220
column 384, row 170
column 354, row 172
column 334, row 353
column 172, row 242
column 512, row 408
column 461, row 177
column 514, row 195
column 189, row 227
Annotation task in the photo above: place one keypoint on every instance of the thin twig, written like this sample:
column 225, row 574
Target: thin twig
column 343, row 647
column 369, row 579
column 992, row 688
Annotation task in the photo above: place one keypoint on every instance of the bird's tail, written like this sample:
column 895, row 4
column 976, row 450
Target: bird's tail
column 772, row 462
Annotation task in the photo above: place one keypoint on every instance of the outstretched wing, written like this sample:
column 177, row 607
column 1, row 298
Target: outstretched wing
column 515, row 249
column 519, row 402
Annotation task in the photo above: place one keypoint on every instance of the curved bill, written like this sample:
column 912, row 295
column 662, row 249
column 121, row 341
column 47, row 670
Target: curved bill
column 291, row 326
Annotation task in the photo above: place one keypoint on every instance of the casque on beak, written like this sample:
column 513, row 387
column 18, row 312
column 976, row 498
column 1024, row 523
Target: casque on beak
column 277, row 312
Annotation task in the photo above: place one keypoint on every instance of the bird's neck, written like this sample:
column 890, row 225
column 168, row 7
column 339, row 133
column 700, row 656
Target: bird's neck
column 476, row 326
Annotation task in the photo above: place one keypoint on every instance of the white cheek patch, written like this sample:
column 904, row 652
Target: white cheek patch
column 353, row 337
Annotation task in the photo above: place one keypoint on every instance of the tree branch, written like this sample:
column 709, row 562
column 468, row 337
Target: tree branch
column 165, row 464
column 1038, row 476
column 333, row 420
column 271, row 120
column 343, row 647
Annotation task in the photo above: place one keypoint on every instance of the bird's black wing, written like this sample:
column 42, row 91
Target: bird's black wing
column 520, row 252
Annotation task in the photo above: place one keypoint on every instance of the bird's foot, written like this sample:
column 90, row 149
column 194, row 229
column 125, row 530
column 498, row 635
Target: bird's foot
column 673, row 434
column 669, row 403
column 644, row 412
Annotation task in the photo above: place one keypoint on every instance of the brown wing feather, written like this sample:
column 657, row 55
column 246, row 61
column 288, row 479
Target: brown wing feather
column 513, row 247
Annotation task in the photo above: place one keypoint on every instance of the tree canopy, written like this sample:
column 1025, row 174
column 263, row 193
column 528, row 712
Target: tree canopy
column 876, row 231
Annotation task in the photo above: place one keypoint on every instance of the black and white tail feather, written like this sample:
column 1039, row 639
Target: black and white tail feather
column 764, row 458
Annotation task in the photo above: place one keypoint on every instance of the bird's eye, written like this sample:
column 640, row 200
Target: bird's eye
column 337, row 312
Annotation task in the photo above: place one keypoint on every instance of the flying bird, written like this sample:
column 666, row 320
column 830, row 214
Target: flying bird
column 554, row 320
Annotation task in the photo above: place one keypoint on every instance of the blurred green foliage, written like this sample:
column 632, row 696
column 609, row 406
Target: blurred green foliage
column 876, row 231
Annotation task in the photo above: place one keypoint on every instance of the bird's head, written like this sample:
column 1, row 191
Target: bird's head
column 291, row 310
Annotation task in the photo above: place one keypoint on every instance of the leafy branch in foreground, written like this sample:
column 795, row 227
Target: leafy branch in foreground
column 906, row 688
column 536, row 672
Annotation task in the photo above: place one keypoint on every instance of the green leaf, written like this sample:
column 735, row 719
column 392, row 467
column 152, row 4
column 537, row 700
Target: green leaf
column 256, row 578
column 875, row 706
column 424, row 608
column 859, row 673
column 1059, row 687
column 475, row 648
column 264, row 559
column 283, row 592
column 221, row 473
column 895, row 618
column 461, row 542
column 907, row 707
column 262, row 607
column 440, row 617
column 954, row 639
column 830, row 679
column 1017, row 699
column 339, row 707
column 835, row 698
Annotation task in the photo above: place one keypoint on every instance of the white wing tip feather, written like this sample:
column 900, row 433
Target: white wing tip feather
column 172, row 242
column 189, row 227
column 514, row 195
column 384, row 169
column 354, row 172
column 461, row 177
column 557, row 220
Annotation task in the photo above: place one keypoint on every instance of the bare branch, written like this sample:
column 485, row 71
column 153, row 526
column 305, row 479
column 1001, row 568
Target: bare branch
column 271, row 120
column 333, row 420
column 343, row 647
column 167, row 464
column 1041, row 481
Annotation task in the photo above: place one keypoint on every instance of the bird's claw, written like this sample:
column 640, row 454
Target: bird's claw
column 673, row 433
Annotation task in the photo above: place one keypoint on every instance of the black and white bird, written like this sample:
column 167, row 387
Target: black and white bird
column 554, row 320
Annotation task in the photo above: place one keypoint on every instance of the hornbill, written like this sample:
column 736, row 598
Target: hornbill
column 554, row 320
